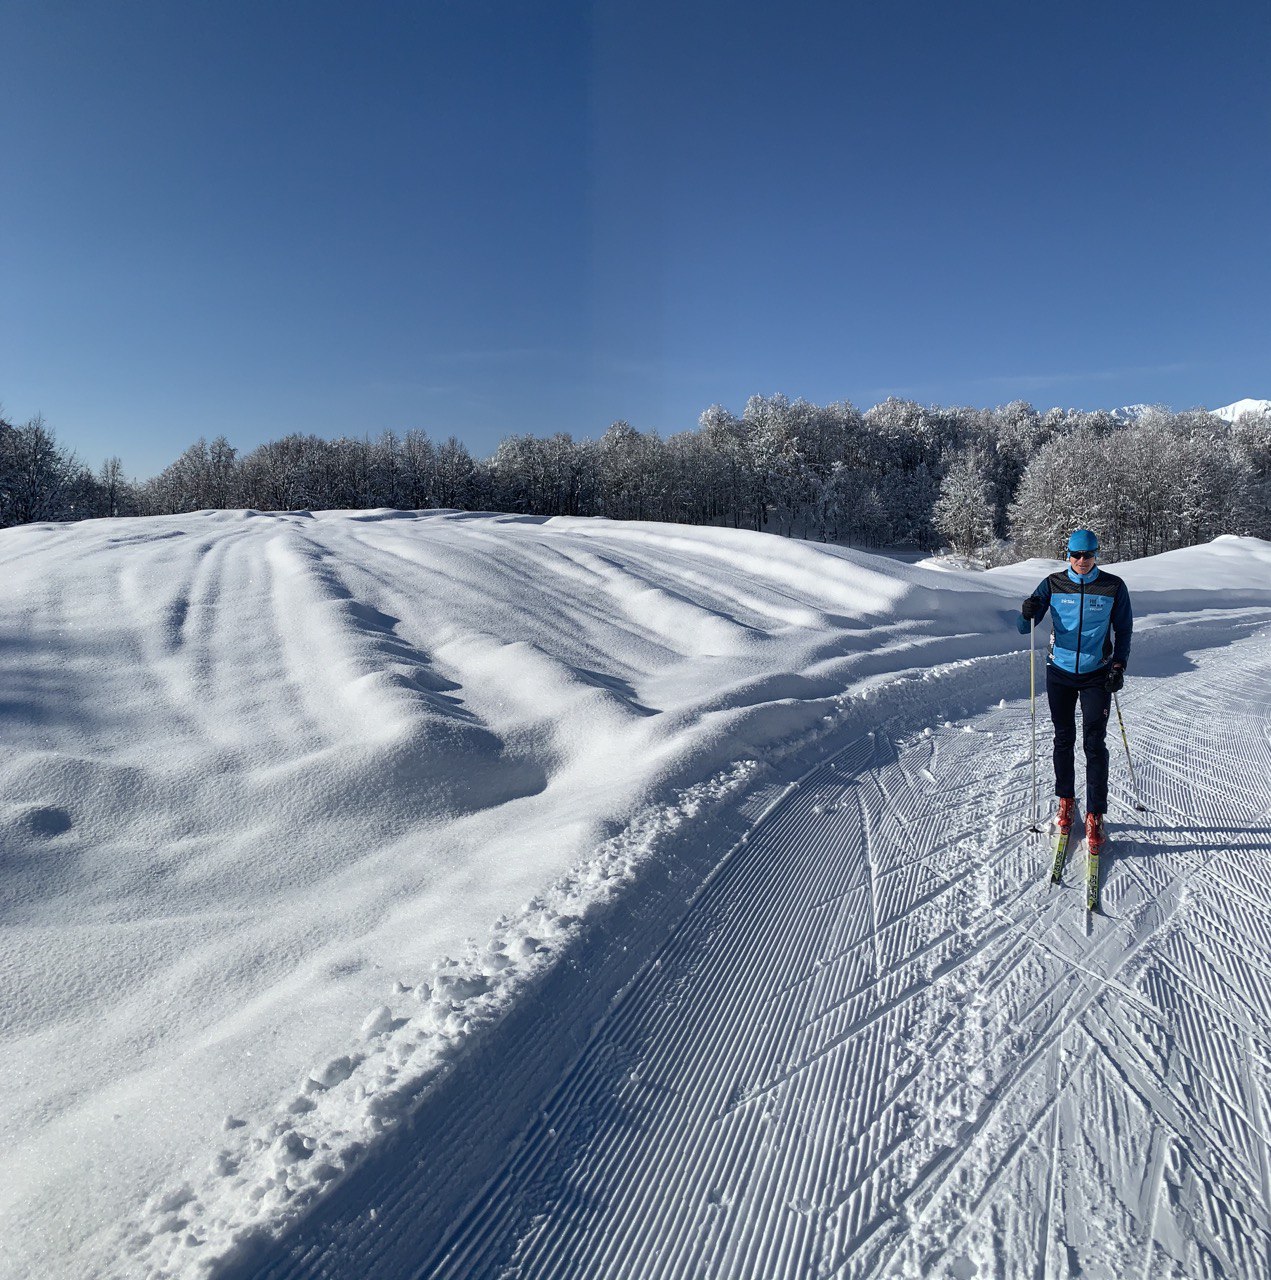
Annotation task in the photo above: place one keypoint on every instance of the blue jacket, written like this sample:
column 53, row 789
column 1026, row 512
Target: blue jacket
column 1087, row 611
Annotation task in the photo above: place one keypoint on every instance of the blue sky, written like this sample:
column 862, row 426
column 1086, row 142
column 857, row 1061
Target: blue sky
column 485, row 218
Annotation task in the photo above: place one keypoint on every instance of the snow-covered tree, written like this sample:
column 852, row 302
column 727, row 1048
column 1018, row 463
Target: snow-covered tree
column 115, row 496
column 1061, row 490
column 277, row 476
column 964, row 512
column 630, row 476
column 900, row 473
column 418, row 471
column 724, row 455
column 38, row 479
column 456, row 476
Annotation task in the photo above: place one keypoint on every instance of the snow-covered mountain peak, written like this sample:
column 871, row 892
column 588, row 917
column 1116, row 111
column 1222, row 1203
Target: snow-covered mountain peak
column 1131, row 412
column 1230, row 412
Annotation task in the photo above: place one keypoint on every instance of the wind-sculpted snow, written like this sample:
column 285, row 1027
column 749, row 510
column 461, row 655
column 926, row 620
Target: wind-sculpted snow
column 328, row 841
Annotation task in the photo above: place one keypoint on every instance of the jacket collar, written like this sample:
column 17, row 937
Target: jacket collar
column 1084, row 577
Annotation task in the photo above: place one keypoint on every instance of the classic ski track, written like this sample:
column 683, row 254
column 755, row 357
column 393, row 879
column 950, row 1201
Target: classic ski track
column 1259, row 1119
column 1068, row 1017
column 1163, row 1101
column 692, row 1140
column 1156, row 1180
column 1047, row 1110
column 1207, row 1154
column 1054, row 1081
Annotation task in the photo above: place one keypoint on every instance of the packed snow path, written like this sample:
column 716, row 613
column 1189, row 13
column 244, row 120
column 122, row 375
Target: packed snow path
column 879, row 1044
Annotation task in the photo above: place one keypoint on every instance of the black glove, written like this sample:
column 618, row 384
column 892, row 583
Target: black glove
column 1115, row 679
column 1031, row 608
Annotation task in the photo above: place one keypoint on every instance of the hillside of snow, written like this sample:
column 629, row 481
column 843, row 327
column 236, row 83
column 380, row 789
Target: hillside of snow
column 1231, row 412
column 660, row 891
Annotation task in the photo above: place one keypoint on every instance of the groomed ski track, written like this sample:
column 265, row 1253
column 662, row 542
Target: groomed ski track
column 879, row 1043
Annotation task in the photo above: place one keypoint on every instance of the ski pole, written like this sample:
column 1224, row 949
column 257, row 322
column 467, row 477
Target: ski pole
column 1032, row 706
column 1125, row 742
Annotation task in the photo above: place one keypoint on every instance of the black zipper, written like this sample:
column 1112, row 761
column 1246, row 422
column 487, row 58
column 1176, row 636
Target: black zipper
column 1081, row 619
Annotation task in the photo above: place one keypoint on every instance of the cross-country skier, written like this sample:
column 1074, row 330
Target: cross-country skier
column 1091, row 624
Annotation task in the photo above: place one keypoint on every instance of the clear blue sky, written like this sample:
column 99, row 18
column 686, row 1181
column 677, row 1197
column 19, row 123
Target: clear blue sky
column 485, row 218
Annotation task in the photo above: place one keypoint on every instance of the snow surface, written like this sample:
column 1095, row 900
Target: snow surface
column 342, row 850
column 1230, row 412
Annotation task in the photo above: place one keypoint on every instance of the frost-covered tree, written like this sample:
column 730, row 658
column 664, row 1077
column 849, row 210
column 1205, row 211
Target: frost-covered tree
column 1055, row 496
column 725, row 460
column 329, row 474
column 456, row 482
column 385, row 472
column 418, row 471
column 630, row 474
column 964, row 511
column 909, row 498
column 278, row 475
column 222, row 474
column 565, row 476
column 8, row 470
column 900, row 473
column 516, row 473
column 115, row 494
column 1014, row 433
column 904, row 431
column 1250, row 443
column 38, row 479
column 771, row 462
column 204, row 476
column 1164, row 481
column 1139, row 510
column 179, row 486
column 847, row 508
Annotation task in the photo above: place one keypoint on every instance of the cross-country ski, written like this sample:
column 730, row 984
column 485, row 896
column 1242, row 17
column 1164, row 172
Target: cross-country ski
column 1061, row 856
column 1063, row 833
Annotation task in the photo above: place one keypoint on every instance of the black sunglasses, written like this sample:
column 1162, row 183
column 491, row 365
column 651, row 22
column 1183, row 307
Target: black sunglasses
column 1082, row 555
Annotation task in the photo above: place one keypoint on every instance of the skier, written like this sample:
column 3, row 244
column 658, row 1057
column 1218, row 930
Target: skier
column 1091, row 625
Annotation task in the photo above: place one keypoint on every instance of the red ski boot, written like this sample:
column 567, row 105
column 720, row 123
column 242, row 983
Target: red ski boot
column 1094, row 833
column 1067, row 811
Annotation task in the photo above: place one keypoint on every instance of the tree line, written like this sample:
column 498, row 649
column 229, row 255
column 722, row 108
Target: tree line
column 994, row 484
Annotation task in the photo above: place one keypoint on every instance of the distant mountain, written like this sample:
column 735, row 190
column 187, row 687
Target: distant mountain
column 1131, row 412
column 1230, row 412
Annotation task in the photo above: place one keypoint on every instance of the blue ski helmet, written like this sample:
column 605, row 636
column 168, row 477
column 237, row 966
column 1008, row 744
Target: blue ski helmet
column 1083, row 540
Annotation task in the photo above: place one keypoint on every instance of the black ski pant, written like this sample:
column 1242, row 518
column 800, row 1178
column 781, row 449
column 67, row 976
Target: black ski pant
column 1064, row 691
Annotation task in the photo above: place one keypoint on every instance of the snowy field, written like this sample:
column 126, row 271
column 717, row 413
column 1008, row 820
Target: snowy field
column 434, row 894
